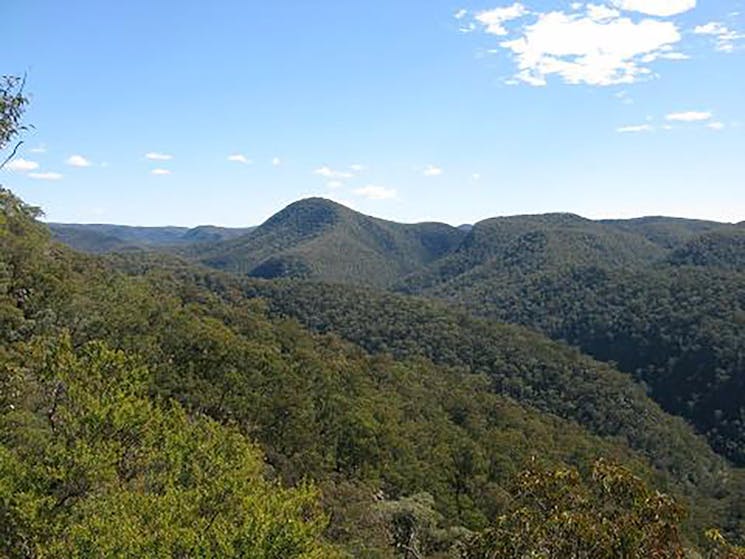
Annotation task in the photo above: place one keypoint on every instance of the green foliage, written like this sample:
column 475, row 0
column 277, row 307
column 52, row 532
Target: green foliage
column 94, row 468
column 448, row 405
column 12, row 106
column 556, row 514
column 319, row 239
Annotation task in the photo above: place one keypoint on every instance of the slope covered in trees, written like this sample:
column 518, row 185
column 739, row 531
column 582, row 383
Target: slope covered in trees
column 319, row 239
column 94, row 360
column 100, row 238
column 93, row 439
column 675, row 323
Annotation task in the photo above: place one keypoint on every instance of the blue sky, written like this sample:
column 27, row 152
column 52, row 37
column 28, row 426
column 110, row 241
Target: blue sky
column 185, row 112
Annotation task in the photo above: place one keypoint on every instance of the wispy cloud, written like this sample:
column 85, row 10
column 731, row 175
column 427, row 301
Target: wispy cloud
column 48, row 176
column 494, row 20
column 724, row 37
column 39, row 149
column 334, row 184
column 357, row 168
column 160, row 172
column 276, row 161
column 373, row 192
column 329, row 173
column 78, row 161
column 660, row 8
column 635, row 128
column 689, row 116
column 21, row 165
column 155, row 156
column 460, row 14
column 432, row 171
column 716, row 125
column 239, row 158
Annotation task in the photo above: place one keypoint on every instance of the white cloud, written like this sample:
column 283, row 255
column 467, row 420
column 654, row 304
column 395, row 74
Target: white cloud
column 584, row 50
column 48, row 176
column 635, row 128
column 494, row 20
column 372, row 192
column 689, row 116
column 329, row 173
column 239, row 158
column 22, row 165
column 716, row 125
column 160, row 172
column 276, row 161
column 39, row 149
column 78, row 161
column 598, row 12
column 476, row 176
column 432, row 171
column 660, row 8
column 334, row 184
column 724, row 36
column 155, row 156
column 460, row 14
column 357, row 168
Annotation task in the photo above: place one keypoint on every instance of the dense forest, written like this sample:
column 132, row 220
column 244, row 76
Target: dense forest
column 151, row 406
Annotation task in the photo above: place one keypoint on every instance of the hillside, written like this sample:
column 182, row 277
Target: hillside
column 672, row 318
column 521, row 364
column 660, row 297
column 723, row 248
column 668, row 232
column 322, row 240
column 100, row 238
column 141, row 366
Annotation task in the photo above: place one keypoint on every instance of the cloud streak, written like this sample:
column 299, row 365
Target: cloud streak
column 373, row 192
column 689, row 116
column 47, row 176
column 78, row 161
column 239, row 158
column 156, row 156
column 21, row 165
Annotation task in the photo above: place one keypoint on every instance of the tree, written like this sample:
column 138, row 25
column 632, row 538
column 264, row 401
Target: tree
column 556, row 514
column 12, row 106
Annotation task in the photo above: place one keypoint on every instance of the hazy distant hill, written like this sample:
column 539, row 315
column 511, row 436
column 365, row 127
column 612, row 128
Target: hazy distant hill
column 100, row 238
column 319, row 239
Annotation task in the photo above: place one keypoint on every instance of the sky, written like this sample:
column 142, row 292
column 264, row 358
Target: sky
column 222, row 112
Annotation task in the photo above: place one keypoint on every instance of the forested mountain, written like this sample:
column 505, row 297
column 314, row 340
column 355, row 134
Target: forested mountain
column 663, row 298
column 668, row 232
column 323, row 240
column 673, row 318
column 100, row 238
column 106, row 374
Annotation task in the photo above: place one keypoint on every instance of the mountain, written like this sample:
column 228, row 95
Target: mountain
column 668, row 232
column 148, row 399
column 721, row 248
column 523, row 244
column 672, row 317
column 663, row 299
column 136, row 374
column 319, row 239
column 100, row 238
